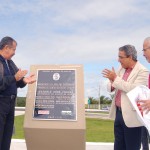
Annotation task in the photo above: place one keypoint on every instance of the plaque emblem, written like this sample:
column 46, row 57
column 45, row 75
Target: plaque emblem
column 56, row 76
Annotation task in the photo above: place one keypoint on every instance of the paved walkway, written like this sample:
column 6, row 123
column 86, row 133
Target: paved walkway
column 21, row 145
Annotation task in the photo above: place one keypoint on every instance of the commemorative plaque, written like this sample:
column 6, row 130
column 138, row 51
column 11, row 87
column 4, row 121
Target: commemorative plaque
column 55, row 111
column 55, row 95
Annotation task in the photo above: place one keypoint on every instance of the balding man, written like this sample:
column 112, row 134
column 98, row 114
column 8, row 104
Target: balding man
column 10, row 79
column 145, row 104
column 146, row 53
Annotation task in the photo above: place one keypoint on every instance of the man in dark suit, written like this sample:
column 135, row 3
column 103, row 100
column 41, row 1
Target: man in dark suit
column 10, row 79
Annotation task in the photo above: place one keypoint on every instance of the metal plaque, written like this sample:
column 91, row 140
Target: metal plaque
column 55, row 97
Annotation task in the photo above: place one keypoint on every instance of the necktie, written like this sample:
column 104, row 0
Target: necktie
column 118, row 95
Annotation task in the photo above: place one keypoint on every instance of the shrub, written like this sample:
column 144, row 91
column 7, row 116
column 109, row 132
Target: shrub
column 21, row 101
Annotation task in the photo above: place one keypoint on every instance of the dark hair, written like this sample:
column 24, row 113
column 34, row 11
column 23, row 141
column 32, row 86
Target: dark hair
column 6, row 41
column 129, row 51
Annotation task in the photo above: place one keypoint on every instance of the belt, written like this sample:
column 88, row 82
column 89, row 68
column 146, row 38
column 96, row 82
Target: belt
column 118, row 108
column 11, row 96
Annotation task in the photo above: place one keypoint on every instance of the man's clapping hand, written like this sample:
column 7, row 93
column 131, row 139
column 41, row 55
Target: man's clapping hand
column 30, row 79
column 20, row 74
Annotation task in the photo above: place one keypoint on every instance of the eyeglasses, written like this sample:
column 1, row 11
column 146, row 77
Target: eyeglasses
column 122, row 57
column 145, row 49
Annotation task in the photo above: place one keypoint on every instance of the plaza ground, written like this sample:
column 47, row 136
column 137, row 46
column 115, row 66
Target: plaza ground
column 18, row 144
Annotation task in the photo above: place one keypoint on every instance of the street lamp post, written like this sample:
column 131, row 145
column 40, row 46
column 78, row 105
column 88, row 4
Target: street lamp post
column 99, row 103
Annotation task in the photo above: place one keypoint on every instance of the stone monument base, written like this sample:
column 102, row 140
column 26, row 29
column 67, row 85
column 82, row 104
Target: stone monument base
column 53, row 139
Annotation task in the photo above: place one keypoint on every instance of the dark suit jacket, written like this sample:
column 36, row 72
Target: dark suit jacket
column 7, row 80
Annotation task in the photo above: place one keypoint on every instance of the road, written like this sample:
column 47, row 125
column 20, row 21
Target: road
column 92, row 113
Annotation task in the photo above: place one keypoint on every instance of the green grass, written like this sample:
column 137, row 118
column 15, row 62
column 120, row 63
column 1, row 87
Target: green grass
column 97, row 130
column 19, row 132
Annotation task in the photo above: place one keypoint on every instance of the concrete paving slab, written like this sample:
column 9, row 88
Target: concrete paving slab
column 99, row 146
column 17, row 113
column 18, row 144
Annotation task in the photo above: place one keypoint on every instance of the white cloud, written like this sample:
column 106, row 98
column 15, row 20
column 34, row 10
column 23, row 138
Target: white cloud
column 82, row 32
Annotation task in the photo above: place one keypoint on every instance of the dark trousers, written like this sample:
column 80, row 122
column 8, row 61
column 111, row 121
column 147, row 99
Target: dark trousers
column 145, row 139
column 126, row 138
column 7, row 106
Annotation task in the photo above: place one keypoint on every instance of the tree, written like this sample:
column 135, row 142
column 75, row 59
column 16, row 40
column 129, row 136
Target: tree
column 21, row 101
column 112, row 96
column 105, row 100
column 93, row 100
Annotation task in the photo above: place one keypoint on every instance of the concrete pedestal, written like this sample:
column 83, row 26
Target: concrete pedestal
column 48, row 134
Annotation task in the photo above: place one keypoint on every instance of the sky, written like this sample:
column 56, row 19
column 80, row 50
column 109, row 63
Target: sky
column 87, row 32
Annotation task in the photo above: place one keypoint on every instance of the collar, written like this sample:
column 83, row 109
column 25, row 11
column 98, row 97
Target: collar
column 129, row 69
column 2, row 58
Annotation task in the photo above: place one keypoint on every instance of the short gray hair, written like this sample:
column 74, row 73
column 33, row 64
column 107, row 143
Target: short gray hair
column 6, row 41
column 147, row 39
column 129, row 51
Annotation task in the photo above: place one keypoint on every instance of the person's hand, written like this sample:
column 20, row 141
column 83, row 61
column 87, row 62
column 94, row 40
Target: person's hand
column 30, row 79
column 20, row 74
column 139, row 107
column 145, row 105
column 110, row 74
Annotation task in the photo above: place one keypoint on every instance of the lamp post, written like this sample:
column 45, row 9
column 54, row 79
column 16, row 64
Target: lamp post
column 99, row 103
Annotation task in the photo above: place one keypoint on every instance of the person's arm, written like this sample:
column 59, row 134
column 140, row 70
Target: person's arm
column 110, row 88
column 126, row 86
column 118, row 83
column 26, row 80
column 5, row 81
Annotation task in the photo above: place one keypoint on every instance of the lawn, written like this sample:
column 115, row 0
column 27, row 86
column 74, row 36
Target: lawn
column 19, row 133
column 97, row 130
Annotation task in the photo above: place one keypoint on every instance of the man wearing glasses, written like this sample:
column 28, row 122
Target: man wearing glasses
column 145, row 104
column 127, row 128
column 146, row 53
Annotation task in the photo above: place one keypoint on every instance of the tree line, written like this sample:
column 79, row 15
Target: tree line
column 102, row 99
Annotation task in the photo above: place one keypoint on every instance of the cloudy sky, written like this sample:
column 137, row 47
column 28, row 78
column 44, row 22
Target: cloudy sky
column 87, row 32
